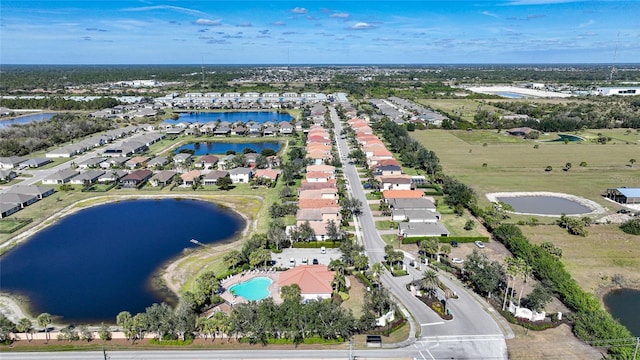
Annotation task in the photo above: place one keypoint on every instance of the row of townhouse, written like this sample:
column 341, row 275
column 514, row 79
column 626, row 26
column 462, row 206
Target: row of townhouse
column 226, row 128
column 92, row 142
column 416, row 214
column 129, row 111
column 249, row 100
column 134, row 171
column 18, row 197
column 318, row 193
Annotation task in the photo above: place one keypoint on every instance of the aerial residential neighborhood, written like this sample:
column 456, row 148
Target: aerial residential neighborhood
column 389, row 180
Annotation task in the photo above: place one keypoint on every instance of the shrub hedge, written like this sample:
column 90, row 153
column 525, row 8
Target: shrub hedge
column 593, row 323
column 445, row 239
column 316, row 244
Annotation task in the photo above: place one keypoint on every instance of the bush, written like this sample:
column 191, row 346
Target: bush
column 316, row 244
column 631, row 227
column 445, row 239
column 171, row 342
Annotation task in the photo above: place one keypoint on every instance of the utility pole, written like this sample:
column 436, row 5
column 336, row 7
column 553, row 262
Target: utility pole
column 350, row 350
column 635, row 352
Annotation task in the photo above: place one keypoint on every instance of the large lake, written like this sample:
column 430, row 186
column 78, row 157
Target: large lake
column 623, row 305
column 95, row 263
column 242, row 116
column 204, row 148
column 26, row 119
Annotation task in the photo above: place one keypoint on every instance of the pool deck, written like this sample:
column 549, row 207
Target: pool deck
column 274, row 289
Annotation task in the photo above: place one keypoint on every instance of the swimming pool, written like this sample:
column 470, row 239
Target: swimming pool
column 252, row 290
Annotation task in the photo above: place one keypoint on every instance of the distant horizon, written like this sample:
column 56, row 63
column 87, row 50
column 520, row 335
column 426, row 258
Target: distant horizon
column 350, row 32
column 329, row 64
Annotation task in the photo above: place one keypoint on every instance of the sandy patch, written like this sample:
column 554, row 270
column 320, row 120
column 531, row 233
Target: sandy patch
column 594, row 206
column 518, row 90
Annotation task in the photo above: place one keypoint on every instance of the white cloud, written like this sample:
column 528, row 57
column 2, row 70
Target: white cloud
column 361, row 26
column 299, row 10
column 340, row 15
column 279, row 23
column 207, row 22
column 588, row 23
column 167, row 7
column 245, row 24
column 490, row 14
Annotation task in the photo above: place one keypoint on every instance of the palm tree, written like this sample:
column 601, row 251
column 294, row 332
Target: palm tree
column 525, row 271
column 511, row 269
column 429, row 282
column 377, row 269
column 44, row 320
column 24, row 325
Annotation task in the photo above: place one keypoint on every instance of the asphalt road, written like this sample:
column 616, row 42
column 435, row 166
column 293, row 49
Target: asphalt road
column 473, row 332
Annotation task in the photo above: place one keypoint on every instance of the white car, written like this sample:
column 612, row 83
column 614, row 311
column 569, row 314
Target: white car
column 457, row 260
column 480, row 244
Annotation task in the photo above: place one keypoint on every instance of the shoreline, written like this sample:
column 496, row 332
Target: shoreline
column 169, row 272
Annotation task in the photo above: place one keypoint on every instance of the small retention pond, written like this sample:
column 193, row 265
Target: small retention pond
column 545, row 205
column 93, row 264
column 623, row 305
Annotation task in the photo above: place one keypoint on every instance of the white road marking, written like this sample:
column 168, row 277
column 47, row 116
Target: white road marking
column 435, row 323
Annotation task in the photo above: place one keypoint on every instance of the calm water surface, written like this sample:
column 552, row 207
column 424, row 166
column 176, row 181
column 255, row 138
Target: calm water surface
column 243, row 116
column 623, row 304
column 93, row 264
column 204, row 148
column 547, row 205
column 26, row 119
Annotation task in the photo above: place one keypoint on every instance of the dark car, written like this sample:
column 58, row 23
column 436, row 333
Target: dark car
column 454, row 244
column 315, row 262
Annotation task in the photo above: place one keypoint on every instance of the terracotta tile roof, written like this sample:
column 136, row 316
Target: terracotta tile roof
column 306, row 185
column 190, row 176
column 402, row 194
column 267, row 173
column 312, row 279
column 316, row 203
column 319, row 175
column 322, row 168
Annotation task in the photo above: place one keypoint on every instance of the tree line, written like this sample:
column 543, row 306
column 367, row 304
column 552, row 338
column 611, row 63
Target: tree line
column 19, row 140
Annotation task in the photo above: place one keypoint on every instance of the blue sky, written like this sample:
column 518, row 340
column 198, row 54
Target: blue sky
column 319, row 32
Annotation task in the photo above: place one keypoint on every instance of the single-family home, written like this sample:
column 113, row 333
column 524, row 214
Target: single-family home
column 182, row 158
column 316, row 203
column 212, row 177
column 60, row 177
column 135, row 178
column 325, row 193
column 7, row 175
column 11, row 162
column 23, row 200
column 40, row 192
column 112, row 176
column 241, row 175
column 158, row 162
column 136, row 161
column 91, row 163
column 162, row 178
column 317, row 176
column 207, row 161
column 402, row 194
column 387, row 170
column 36, row 162
column 7, row 209
column 87, row 177
column 395, row 182
column 268, row 174
column 416, row 229
column 285, row 128
column 190, row 178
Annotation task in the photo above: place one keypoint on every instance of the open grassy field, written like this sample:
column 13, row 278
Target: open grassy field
column 518, row 166
column 592, row 260
column 465, row 108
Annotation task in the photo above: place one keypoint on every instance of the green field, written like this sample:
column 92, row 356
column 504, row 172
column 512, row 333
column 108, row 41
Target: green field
column 518, row 166
column 465, row 108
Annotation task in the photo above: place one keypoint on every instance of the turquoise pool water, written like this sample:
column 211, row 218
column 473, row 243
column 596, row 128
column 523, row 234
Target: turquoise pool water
column 252, row 290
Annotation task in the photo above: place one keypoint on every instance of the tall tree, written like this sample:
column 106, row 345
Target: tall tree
column 25, row 326
column 44, row 320
column 429, row 282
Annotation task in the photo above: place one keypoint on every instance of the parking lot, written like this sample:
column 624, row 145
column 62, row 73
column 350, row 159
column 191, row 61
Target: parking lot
column 283, row 259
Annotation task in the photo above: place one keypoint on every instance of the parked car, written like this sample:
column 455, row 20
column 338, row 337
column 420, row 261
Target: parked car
column 292, row 262
column 315, row 262
column 623, row 211
column 323, row 250
column 454, row 244
column 479, row 244
column 305, row 261
column 457, row 260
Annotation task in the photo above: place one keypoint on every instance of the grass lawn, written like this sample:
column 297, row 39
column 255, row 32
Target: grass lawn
column 520, row 167
column 595, row 259
column 465, row 108
column 386, row 225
